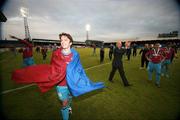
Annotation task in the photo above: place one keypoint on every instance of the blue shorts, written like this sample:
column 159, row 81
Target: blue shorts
column 28, row 61
column 63, row 93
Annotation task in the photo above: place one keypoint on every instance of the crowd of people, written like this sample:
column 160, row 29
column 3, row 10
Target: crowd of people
column 154, row 56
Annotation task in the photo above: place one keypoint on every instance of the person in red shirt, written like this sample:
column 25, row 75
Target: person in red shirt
column 155, row 56
column 27, row 52
column 65, row 72
column 48, row 76
column 62, row 88
column 165, row 64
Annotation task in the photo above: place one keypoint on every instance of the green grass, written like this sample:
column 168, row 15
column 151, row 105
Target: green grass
column 142, row 101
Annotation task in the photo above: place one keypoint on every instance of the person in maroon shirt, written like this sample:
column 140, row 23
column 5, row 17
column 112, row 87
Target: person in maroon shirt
column 27, row 52
column 62, row 88
column 155, row 56
column 165, row 64
column 48, row 76
column 65, row 72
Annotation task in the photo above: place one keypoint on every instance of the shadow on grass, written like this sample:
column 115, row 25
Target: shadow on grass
column 87, row 95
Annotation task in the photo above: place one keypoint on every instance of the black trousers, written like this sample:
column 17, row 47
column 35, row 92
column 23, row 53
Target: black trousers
column 110, row 55
column 128, row 56
column 101, row 58
column 144, row 60
column 44, row 56
column 172, row 57
column 121, row 72
column 134, row 53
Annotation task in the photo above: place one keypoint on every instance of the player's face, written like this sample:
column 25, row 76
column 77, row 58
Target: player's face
column 65, row 42
column 119, row 44
column 156, row 46
column 146, row 45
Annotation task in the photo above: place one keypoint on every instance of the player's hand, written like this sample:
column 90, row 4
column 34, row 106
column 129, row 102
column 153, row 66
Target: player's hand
column 149, row 60
column 163, row 60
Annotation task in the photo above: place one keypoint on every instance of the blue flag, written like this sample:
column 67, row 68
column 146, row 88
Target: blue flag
column 77, row 80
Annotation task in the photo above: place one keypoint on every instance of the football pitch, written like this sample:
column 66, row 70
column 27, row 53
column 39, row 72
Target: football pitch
column 142, row 101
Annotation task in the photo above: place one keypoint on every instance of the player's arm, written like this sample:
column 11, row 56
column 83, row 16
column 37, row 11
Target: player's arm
column 14, row 37
column 22, row 41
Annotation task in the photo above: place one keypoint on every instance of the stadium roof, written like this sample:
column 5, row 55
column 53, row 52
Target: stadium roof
column 145, row 39
column 2, row 17
column 149, row 39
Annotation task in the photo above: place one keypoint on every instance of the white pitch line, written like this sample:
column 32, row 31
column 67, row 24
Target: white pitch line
column 19, row 88
column 97, row 66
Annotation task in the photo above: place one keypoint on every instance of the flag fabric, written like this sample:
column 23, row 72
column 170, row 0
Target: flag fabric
column 47, row 76
column 77, row 80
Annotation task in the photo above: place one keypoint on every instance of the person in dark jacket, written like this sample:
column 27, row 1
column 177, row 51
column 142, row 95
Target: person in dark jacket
column 174, row 52
column 134, row 49
column 143, row 51
column 44, row 50
column 118, row 64
column 101, row 54
column 111, row 49
column 128, row 49
column 94, row 49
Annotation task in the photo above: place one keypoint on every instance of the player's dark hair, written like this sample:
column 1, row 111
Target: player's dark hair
column 67, row 35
